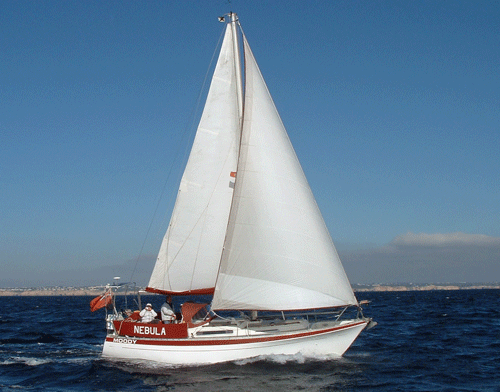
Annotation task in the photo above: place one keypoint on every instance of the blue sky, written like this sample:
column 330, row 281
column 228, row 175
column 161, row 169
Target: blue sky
column 393, row 108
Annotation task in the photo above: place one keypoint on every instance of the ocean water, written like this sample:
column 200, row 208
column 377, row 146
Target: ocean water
column 425, row 341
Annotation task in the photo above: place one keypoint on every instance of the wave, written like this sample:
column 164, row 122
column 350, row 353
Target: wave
column 26, row 361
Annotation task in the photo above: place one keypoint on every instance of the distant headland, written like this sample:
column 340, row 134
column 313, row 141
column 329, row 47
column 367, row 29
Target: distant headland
column 96, row 290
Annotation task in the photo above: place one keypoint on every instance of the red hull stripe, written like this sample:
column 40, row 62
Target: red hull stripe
column 208, row 291
column 200, row 342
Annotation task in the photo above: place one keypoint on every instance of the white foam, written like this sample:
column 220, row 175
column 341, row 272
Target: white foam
column 283, row 359
column 28, row 361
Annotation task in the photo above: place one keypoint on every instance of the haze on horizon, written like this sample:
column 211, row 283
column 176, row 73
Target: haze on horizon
column 392, row 107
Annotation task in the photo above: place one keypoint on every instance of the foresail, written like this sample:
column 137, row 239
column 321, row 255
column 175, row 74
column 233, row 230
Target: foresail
column 278, row 254
column 189, row 256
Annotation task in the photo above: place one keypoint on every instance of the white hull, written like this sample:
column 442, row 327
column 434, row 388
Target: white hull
column 191, row 351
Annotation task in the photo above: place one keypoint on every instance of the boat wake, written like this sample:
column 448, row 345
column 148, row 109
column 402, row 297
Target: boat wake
column 283, row 359
column 152, row 367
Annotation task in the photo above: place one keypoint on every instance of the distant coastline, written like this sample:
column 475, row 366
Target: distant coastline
column 97, row 290
column 425, row 287
column 51, row 291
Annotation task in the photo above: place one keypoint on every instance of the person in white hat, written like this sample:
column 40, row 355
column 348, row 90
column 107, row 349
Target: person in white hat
column 147, row 314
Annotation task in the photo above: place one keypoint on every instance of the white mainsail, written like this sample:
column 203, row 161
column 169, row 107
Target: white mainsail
column 189, row 256
column 278, row 253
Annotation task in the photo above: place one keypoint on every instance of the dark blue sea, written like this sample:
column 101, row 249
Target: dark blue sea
column 425, row 341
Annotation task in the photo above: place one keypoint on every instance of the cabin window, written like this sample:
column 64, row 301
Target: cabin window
column 218, row 332
column 200, row 315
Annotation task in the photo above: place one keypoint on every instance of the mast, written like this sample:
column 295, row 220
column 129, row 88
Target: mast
column 239, row 83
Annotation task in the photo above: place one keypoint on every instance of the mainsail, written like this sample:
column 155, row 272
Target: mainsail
column 278, row 253
column 189, row 256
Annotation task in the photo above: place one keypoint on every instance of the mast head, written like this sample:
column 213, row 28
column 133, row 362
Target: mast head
column 232, row 15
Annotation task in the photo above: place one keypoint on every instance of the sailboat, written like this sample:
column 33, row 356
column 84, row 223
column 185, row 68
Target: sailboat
column 247, row 232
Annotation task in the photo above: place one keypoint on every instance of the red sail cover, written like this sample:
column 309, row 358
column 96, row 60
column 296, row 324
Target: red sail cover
column 101, row 301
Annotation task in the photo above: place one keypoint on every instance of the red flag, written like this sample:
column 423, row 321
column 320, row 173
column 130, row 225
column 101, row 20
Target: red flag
column 101, row 301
